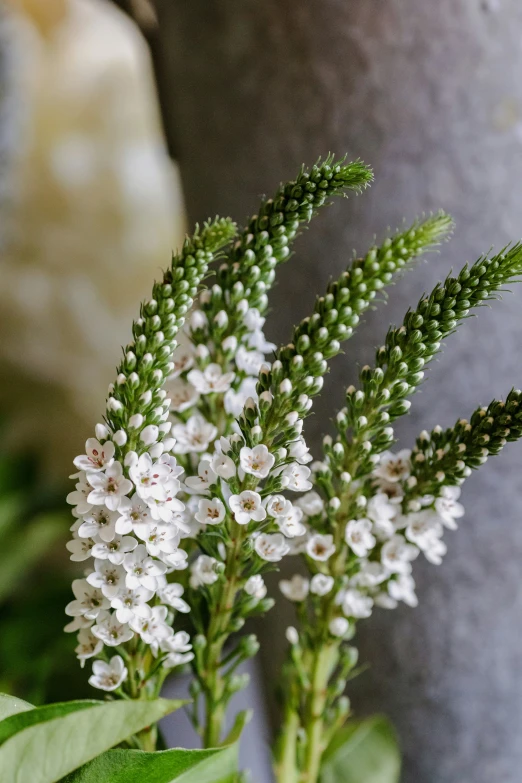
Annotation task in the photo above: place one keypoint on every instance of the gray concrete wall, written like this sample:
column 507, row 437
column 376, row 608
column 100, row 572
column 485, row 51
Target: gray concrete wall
column 429, row 93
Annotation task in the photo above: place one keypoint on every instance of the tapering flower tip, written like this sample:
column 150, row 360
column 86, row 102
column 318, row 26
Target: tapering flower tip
column 431, row 231
column 217, row 233
column 355, row 175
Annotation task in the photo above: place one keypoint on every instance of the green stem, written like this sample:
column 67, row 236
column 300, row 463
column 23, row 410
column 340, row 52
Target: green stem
column 147, row 738
column 325, row 660
column 286, row 767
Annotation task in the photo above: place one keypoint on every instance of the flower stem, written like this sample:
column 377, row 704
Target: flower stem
column 325, row 660
column 147, row 738
column 285, row 769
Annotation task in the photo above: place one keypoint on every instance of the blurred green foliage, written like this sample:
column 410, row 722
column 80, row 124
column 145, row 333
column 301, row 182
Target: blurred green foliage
column 36, row 657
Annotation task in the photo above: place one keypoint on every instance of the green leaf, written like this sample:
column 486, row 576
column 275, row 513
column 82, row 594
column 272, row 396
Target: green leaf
column 363, row 752
column 67, row 738
column 217, row 765
column 10, row 705
column 15, row 723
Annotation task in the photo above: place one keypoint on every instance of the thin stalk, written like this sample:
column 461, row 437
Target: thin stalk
column 285, row 769
column 324, row 662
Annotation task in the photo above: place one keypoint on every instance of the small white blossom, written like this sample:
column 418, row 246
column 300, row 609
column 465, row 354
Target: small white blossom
column 80, row 548
column 203, row 571
column 292, row 636
column 178, row 648
column 257, row 340
column 182, row 395
column 195, row 435
column 250, row 362
column 422, row 528
column 88, row 645
column 171, row 594
column 300, row 452
column 320, row 547
column 108, row 577
column 257, row 461
column 311, row 504
column 109, row 629
column 151, row 477
column 402, row 588
column 159, row 537
column 271, row 546
column 89, row 601
column 182, row 358
column 109, row 487
column 370, row 574
column 99, row 522
column 211, row 380
column 152, row 627
column 114, row 550
column 137, row 512
column 339, row 626
column 234, row 401
column 278, row 506
column 97, row 456
column 142, row 570
column 290, row 524
column 79, row 496
column 297, row 476
column 247, row 507
column 359, row 537
column 321, row 584
column 355, row 604
column 255, row 587
column 382, row 513
column 129, row 603
column 205, row 478
column 394, row 467
column 447, row 506
column 397, row 554
column 210, row 511
column 108, row 676
column 295, row 589
column 223, row 466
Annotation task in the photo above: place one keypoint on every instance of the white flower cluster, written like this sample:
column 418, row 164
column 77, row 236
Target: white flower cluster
column 128, row 527
column 383, row 543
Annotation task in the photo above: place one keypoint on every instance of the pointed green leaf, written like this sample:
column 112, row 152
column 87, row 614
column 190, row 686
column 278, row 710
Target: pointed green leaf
column 363, row 752
column 10, row 705
column 15, row 723
column 217, row 765
column 45, row 752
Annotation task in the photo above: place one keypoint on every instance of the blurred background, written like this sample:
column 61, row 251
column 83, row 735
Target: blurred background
column 121, row 125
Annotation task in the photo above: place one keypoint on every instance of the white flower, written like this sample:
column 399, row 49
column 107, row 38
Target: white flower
column 151, row 477
column 108, row 676
column 178, row 648
column 253, row 319
column 107, row 576
column 292, row 636
column 210, row 511
column 182, row 395
column 311, row 504
column 89, row 602
column 447, row 507
column 381, row 512
column 290, row 524
column 257, row 461
column 246, row 507
column 203, row 571
column 99, row 522
column 205, row 478
column 129, row 603
column 402, row 588
column 98, row 456
column 223, row 466
column 297, row 476
column 255, row 587
column 177, row 561
column 109, row 629
column 299, row 451
column 278, row 506
column 271, row 546
column 171, row 594
column 153, row 627
column 435, row 550
column 396, row 555
column 164, row 505
column 159, row 537
column 258, row 341
column 321, row 584
column 359, row 537
column 195, row 435
column 320, row 547
column 295, row 589
column 80, row 548
column 234, row 401
column 136, row 513
column 142, row 569
column 183, row 357
column 211, row 379
column 339, row 626
column 109, row 487
column 81, row 492
column 370, row 574
column 394, row 467
column 250, row 362
column 422, row 528
column 355, row 604
column 114, row 550
column 88, row 645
